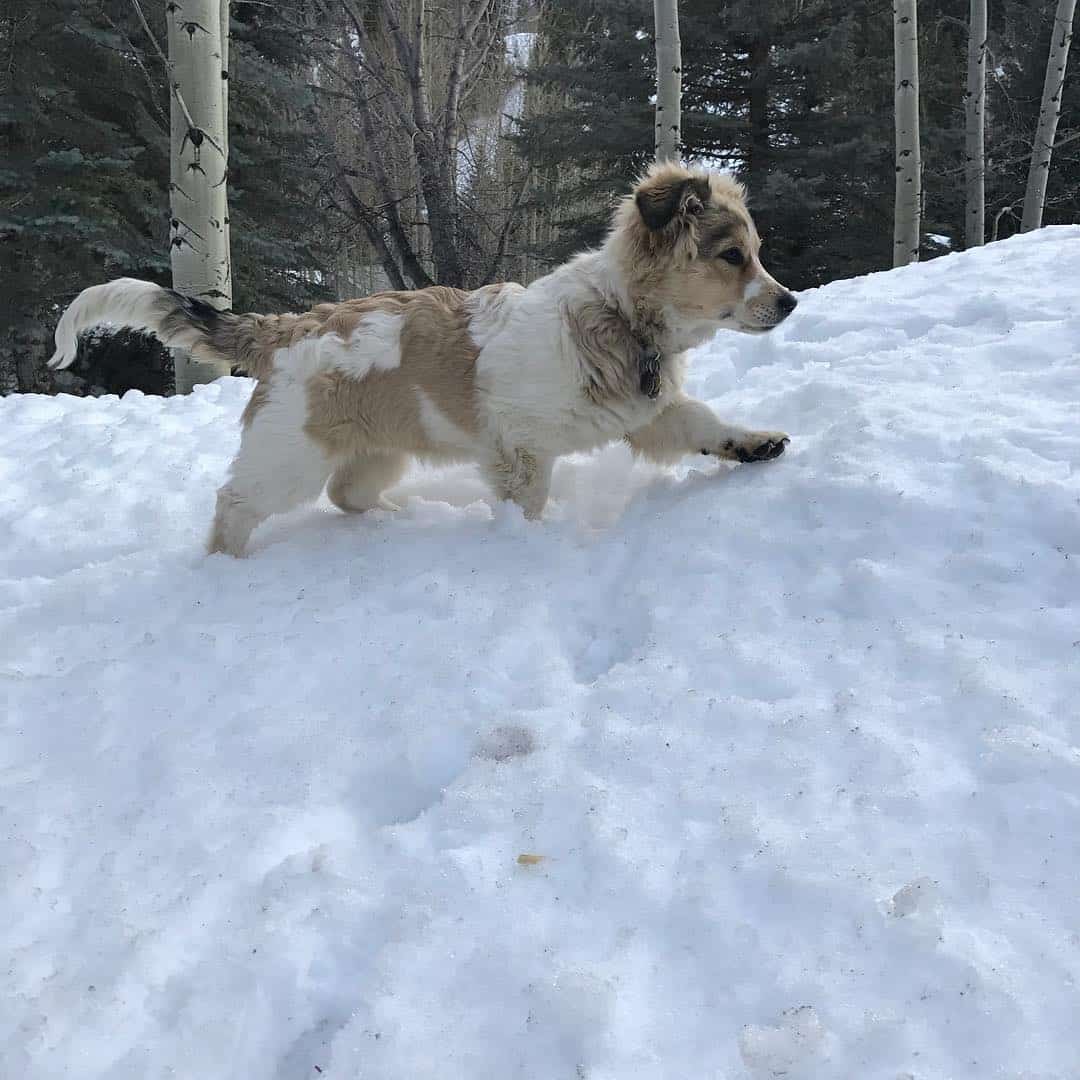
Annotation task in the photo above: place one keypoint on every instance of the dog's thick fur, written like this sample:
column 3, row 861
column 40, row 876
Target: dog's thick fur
column 508, row 377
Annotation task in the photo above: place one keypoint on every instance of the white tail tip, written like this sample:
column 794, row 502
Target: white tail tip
column 64, row 355
column 67, row 343
column 124, row 302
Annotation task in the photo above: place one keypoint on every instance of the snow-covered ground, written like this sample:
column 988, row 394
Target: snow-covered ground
column 797, row 745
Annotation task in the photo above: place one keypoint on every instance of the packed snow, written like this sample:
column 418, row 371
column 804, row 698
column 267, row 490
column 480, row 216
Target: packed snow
column 724, row 772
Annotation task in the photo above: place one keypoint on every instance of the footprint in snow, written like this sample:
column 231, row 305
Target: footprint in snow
column 505, row 742
column 790, row 1049
column 918, row 904
column 913, row 896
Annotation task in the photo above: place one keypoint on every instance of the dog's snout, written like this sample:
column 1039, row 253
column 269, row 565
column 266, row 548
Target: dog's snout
column 787, row 303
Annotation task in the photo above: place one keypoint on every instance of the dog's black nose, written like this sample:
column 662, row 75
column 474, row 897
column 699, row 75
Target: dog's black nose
column 787, row 303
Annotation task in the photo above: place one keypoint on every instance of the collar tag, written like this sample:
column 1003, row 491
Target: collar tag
column 649, row 366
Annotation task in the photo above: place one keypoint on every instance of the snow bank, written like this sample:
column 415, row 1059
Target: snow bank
column 797, row 744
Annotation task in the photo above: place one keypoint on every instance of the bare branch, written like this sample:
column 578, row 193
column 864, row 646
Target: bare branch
column 466, row 30
column 168, row 68
column 136, row 55
column 370, row 60
column 408, row 54
column 508, row 224
column 410, row 263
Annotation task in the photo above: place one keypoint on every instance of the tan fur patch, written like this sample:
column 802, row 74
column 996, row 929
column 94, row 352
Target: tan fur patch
column 382, row 411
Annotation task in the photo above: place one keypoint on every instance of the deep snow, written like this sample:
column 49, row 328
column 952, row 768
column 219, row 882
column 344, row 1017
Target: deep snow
column 798, row 743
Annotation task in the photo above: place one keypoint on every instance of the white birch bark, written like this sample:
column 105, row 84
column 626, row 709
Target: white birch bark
column 225, row 14
column 907, row 219
column 974, row 117
column 201, row 265
column 668, row 80
column 1050, row 111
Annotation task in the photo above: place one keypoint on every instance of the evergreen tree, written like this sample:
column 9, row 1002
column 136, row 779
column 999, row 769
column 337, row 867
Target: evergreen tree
column 1020, row 34
column 84, row 169
column 792, row 96
column 283, row 237
column 797, row 97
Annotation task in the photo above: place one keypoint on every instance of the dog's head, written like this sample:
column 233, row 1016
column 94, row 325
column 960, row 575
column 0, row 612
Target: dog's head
column 687, row 243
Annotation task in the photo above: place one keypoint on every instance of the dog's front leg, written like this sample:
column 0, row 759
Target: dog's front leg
column 522, row 476
column 687, row 426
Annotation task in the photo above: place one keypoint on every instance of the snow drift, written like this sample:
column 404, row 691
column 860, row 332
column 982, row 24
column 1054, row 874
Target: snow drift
column 795, row 748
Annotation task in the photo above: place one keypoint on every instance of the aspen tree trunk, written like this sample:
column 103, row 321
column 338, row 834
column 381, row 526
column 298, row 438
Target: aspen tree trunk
column 199, row 233
column 224, row 7
column 1035, row 196
column 908, row 205
column 974, row 101
column 907, row 223
column 668, row 80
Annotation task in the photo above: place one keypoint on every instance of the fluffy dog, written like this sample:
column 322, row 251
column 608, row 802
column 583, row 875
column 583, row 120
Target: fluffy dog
column 505, row 376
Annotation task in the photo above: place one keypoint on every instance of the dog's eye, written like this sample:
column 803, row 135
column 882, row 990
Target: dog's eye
column 733, row 256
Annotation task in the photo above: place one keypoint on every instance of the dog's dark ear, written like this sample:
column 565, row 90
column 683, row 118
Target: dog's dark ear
column 660, row 199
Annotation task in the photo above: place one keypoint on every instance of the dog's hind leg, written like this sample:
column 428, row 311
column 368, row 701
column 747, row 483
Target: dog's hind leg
column 277, row 468
column 358, row 485
column 234, row 522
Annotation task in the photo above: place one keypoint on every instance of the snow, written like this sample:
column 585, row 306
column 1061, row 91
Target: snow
column 793, row 749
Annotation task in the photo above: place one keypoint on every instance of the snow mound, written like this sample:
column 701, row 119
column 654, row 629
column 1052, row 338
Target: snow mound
column 793, row 751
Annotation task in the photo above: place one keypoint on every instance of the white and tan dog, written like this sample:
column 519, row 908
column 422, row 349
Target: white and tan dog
column 506, row 376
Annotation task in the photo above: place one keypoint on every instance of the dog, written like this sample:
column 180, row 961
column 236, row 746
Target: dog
column 508, row 377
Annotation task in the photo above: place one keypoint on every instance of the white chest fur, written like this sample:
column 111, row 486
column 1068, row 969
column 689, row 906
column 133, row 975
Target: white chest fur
column 529, row 376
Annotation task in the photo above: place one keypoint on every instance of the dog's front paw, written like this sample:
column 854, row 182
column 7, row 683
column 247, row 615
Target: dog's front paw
column 752, row 446
column 764, row 447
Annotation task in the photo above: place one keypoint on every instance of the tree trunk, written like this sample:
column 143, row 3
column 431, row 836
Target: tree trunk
column 225, row 34
column 439, row 200
column 414, row 71
column 1050, row 111
column 974, row 99
column 410, row 264
column 907, row 224
column 199, row 235
column 758, row 160
column 668, row 80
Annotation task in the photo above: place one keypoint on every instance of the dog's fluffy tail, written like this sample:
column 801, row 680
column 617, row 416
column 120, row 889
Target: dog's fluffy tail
column 175, row 320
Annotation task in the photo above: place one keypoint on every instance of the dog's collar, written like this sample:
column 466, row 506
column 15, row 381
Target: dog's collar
column 647, row 328
column 649, row 363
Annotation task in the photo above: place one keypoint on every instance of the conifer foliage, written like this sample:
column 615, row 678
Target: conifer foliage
column 84, row 173
column 798, row 97
column 482, row 139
